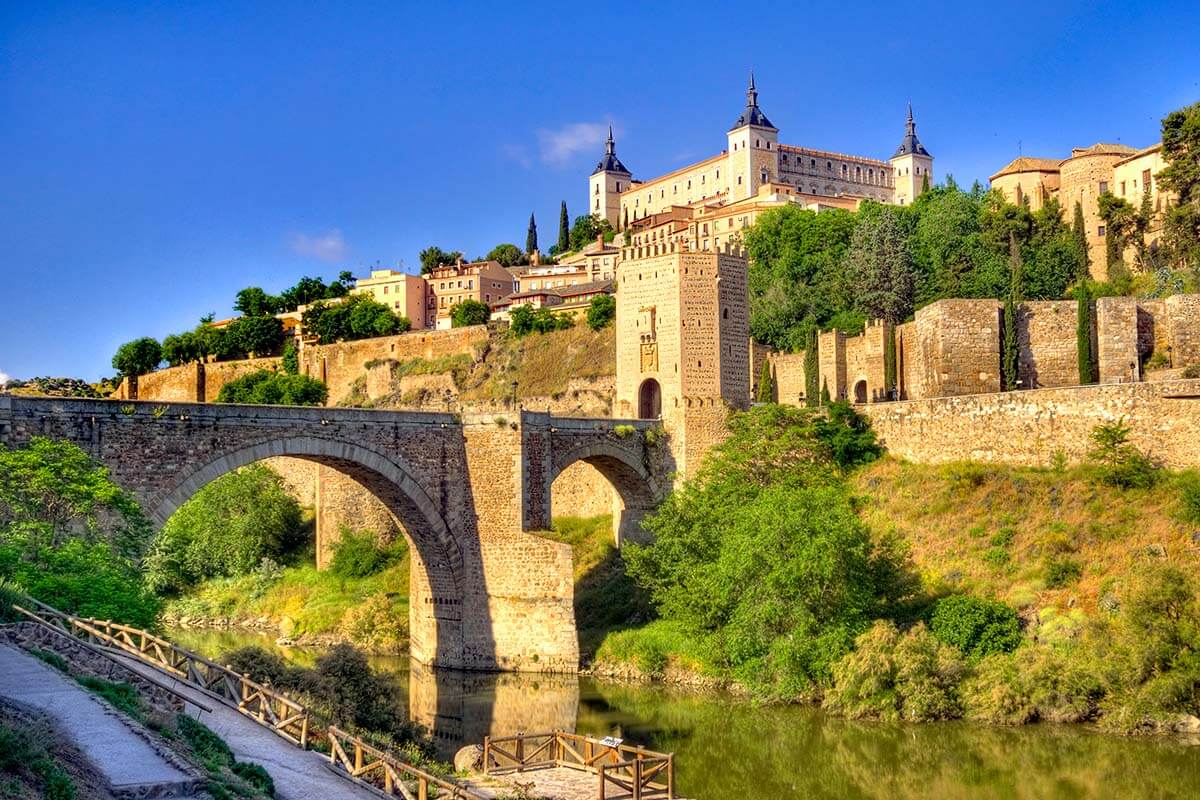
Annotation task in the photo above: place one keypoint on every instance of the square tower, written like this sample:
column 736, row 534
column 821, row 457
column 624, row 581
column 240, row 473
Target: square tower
column 912, row 165
column 683, row 343
column 606, row 184
column 753, row 154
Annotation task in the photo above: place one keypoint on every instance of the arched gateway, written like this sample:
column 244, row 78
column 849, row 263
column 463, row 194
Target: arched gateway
column 486, row 593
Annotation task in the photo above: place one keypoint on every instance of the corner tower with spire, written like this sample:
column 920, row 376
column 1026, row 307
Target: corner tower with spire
column 912, row 165
column 607, row 183
column 753, row 154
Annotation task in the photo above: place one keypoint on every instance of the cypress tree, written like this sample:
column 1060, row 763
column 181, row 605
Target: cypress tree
column 564, row 229
column 1083, row 335
column 825, row 398
column 1010, row 360
column 766, row 385
column 925, row 183
column 812, row 366
column 889, row 359
column 625, row 220
column 1079, row 237
column 531, row 245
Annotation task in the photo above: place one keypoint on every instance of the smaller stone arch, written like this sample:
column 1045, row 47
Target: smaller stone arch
column 624, row 469
column 860, row 391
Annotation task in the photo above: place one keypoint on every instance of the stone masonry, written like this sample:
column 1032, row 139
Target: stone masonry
column 486, row 593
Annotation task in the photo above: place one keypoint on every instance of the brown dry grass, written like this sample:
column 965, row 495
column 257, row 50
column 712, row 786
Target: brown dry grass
column 542, row 364
column 953, row 516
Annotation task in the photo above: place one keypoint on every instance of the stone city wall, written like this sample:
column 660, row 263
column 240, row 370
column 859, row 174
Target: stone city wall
column 1046, row 344
column 787, row 369
column 1030, row 427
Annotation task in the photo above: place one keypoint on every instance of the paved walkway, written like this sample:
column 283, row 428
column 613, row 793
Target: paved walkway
column 125, row 759
column 298, row 774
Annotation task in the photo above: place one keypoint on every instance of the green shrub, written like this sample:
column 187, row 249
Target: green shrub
column 1118, row 462
column 208, row 747
column 52, row 658
column 259, row 665
column 890, row 676
column 996, row 557
column 1191, row 371
column 226, row 529
column 266, row 388
column 358, row 554
column 291, row 358
column 256, row 776
column 976, row 627
column 11, row 594
column 1035, row 683
column 1062, row 571
column 1189, row 497
column 24, row 751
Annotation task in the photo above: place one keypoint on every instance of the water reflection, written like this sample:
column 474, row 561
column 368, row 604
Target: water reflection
column 728, row 748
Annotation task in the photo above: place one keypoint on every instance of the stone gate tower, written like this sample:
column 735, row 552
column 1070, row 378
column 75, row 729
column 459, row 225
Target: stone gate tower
column 753, row 149
column 683, row 343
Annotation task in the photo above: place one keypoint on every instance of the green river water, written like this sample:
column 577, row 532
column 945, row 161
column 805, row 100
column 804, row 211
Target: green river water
column 727, row 748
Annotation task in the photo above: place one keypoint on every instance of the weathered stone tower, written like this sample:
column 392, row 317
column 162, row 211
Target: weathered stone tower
column 608, row 181
column 683, row 344
column 911, row 163
column 753, row 149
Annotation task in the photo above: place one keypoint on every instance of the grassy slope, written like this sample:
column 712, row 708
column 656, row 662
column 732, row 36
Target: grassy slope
column 542, row 364
column 306, row 603
column 999, row 531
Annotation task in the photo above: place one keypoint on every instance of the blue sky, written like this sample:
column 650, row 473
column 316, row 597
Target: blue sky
column 157, row 157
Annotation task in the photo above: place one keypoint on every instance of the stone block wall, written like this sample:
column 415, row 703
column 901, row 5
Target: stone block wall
column 219, row 373
column 184, row 384
column 338, row 365
column 1183, row 329
column 1046, row 344
column 788, row 371
column 831, row 363
column 1029, row 428
column 581, row 491
column 1117, row 339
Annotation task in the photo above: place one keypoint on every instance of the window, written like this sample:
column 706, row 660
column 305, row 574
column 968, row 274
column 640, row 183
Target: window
column 1147, row 181
column 1100, row 230
column 597, row 204
column 1103, row 187
column 1122, row 188
column 385, row 290
column 829, row 166
column 739, row 183
column 597, row 189
column 618, row 186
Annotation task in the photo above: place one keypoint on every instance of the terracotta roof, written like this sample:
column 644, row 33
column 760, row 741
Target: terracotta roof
column 583, row 288
column 1143, row 152
column 1028, row 164
column 1103, row 148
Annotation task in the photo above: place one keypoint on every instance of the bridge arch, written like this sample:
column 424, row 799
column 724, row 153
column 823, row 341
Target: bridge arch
column 435, row 617
column 625, row 471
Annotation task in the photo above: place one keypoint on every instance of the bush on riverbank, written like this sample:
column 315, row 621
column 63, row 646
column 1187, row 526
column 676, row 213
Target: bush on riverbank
column 70, row 536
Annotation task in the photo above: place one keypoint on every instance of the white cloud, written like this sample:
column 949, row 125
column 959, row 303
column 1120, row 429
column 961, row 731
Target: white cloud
column 328, row 246
column 559, row 145
column 3, row 378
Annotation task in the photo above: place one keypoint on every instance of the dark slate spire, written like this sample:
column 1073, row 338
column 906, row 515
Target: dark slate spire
column 753, row 115
column 910, row 144
column 610, row 162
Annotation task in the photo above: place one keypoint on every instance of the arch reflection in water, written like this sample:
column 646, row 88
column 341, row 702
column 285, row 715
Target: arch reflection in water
column 460, row 708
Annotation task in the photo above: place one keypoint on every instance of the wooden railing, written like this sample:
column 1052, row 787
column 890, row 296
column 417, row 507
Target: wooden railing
column 387, row 774
column 275, row 711
column 622, row 770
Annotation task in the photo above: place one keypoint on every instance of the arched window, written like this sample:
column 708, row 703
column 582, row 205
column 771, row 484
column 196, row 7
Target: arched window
column 860, row 392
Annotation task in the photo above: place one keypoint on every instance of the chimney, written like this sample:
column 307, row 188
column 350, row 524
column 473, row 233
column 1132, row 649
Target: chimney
column 600, row 240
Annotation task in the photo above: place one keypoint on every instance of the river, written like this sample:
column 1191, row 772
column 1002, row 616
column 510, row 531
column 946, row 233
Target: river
column 729, row 749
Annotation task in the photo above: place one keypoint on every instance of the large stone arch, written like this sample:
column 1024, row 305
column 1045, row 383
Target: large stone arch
column 435, row 610
column 625, row 471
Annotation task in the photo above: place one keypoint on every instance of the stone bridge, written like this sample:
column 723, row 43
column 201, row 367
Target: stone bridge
column 487, row 592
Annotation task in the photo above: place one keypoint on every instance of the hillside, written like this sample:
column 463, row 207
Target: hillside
column 1056, row 545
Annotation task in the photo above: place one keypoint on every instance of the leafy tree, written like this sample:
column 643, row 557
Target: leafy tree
column 1119, row 463
column 796, row 282
column 182, row 348
column 469, row 312
column 1011, row 349
column 948, row 250
column 812, row 369
column 263, row 387
column 226, row 529
column 137, row 357
column 1181, row 151
column 358, row 316
column 507, row 254
column 308, row 290
column 531, row 242
column 761, row 555
column 586, row 229
column 524, row 319
column 258, row 335
column 879, row 265
column 433, row 257
column 601, row 311
column 564, row 229
column 69, row 535
column 254, row 302
column 291, row 358
column 1083, row 334
column 1079, row 240
column 766, row 384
